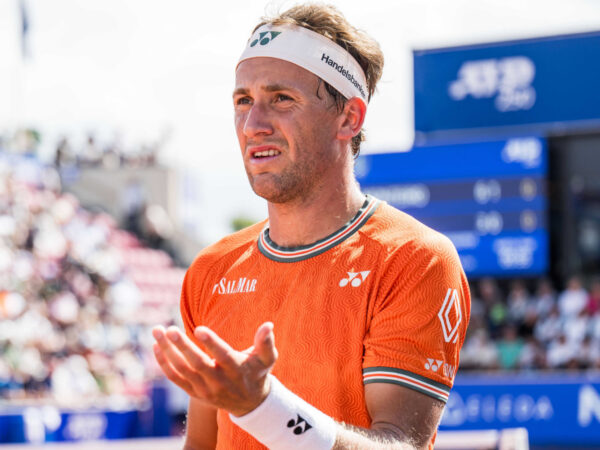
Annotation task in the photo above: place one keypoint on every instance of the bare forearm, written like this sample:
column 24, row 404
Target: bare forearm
column 384, row 437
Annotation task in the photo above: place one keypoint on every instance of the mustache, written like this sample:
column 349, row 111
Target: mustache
column 261, row 143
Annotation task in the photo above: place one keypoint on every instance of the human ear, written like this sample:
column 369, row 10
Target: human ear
column 351, row 119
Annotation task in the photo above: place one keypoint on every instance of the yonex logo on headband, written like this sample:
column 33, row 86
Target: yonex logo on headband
column 313, row 52
column 263, row 39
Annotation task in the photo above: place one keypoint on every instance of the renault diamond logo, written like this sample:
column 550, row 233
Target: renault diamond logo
column 450, row 315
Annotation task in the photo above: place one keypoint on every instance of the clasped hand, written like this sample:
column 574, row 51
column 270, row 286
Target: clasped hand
column 232, row 380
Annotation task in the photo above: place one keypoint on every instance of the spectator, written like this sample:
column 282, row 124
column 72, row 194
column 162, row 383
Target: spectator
column 573, row 299
column 545, row 298
column 593, row 304
column 550, row 327
column 478, row 314
column 561, row 353
column 518, row 302
column 91, row 154
column 588, row 354
column 509, row 348
column 496, row 312
column 533, row 355
column 479, row 352
column 72, row 380
column 576, row 328
column 527, row 327
column 595, row 326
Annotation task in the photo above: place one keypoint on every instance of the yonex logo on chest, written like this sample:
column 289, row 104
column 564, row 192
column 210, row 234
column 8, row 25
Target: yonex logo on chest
column 241, row 285
column 354, row 279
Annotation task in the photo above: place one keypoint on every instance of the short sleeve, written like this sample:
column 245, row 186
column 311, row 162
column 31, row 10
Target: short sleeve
column 188, row 304
column 419, row 320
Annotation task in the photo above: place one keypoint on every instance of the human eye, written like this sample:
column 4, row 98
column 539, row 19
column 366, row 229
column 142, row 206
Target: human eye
column 283, row 98
column 241, row 100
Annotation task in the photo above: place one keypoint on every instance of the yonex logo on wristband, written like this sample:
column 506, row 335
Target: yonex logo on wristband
column 264, row 39
column 298, row 424
column 281, row 403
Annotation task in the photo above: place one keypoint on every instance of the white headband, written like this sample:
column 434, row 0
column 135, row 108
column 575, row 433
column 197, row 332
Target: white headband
column 313, row 52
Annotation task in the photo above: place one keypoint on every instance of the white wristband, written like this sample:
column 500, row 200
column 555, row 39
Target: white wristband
column 285, row 421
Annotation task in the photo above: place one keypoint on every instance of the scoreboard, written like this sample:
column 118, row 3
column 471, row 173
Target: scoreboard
column 489, row 198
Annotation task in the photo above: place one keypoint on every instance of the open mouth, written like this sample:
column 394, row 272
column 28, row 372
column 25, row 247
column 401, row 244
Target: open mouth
column 265, row 153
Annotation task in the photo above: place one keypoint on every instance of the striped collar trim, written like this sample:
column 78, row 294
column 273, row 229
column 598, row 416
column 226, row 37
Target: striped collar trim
column 292, row 254
column 408, row 379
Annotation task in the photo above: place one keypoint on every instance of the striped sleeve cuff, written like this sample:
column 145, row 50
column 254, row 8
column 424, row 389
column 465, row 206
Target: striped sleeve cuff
column 407, row 379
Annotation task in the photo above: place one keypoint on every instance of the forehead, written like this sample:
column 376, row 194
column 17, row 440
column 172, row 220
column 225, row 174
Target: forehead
column 258, row 73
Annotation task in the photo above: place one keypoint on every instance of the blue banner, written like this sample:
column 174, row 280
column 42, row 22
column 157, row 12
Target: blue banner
column 559, row 409
column 542, row 84
column 489, row 198
column 37, row 424
column 48, row 423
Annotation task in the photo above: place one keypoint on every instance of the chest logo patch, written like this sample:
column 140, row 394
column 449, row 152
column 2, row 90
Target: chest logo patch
column 354, row 279
column 450, row 316
column 241, row 285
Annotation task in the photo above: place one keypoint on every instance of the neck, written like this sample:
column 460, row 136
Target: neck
column 307, row 220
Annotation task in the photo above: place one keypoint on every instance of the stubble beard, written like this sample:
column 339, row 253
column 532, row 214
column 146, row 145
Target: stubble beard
column 294, row 184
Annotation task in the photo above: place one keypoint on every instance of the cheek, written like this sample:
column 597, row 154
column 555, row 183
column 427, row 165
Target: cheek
column 239, row 121
column 318, row 127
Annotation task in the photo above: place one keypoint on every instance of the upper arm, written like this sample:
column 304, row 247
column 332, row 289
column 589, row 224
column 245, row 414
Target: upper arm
column 413, row 341
column 404, row 412
column 418, row 323
column 201, row 427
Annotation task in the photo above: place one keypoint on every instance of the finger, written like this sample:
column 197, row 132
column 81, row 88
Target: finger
column 158, row 332
column 219, row 349
column 194, row 355
column 189, row 370
column 169, row 371
column 264, row 344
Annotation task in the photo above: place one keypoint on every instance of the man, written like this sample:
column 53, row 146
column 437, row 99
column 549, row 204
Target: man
column 369, row 306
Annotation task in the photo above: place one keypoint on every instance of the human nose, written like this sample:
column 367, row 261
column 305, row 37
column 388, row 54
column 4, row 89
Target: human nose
column 257, row 121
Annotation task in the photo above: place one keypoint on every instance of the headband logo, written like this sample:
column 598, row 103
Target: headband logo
column 263, row 39
column 344, row 72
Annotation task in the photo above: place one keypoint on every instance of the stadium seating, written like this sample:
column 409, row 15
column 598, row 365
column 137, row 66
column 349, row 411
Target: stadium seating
column 78, row 296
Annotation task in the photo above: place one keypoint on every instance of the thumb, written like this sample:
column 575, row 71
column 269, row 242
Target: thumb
column 264, row 344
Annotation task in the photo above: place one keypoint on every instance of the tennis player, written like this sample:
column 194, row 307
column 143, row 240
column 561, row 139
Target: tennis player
column 369, row 306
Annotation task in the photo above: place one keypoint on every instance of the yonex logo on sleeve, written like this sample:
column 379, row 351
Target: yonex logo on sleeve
column 265, row 37
column 433, row 364
column 355, row 279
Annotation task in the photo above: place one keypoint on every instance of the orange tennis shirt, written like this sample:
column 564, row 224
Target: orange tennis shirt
column 382, row 300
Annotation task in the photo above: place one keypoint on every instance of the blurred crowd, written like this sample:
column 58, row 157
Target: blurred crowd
column 541, row 328
column 78, row 296
column 109, row 155
column 90, row 151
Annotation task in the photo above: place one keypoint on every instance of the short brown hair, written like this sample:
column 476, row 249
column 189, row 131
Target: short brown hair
column 328, row 21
